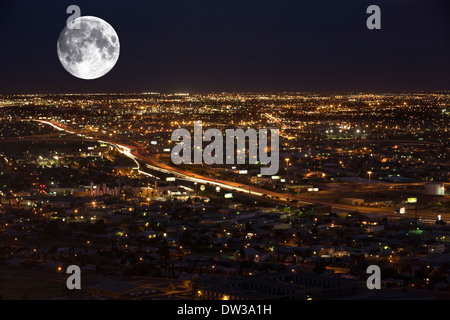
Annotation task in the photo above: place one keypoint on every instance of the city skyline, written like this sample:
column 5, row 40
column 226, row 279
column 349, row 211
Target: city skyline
column 89, row 181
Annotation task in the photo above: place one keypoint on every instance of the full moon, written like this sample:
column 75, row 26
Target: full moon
column 91, row 51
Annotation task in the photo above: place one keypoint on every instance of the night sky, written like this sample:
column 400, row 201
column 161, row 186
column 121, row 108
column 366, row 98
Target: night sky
column 202, row 46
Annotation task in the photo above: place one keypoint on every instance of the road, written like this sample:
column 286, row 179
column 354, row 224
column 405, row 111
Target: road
column 145, row 164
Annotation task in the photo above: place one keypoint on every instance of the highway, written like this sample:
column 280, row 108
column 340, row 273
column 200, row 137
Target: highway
column 145, row 165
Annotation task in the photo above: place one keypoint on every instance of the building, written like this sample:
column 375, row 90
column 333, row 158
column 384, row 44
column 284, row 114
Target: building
column 280, row 286
column 147, row 288
column 435, row 189
column 437, row 248
column 120, row 290
column 353, row 201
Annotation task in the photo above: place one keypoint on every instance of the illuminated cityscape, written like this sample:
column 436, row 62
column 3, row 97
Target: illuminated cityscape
column 222, row 158
column 87, row 179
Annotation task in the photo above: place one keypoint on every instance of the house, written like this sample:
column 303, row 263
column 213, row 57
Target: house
column 437, row 248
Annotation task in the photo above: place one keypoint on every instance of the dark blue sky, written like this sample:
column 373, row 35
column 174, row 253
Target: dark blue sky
column 235, row 45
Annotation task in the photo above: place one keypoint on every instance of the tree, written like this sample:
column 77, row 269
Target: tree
column 320, row 266
column 52, row 229
column 170, row 287
column 187, row 284
column 164, row 251
column 98, row 227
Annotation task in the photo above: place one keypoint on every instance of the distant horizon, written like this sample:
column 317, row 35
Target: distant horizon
column 324, row 92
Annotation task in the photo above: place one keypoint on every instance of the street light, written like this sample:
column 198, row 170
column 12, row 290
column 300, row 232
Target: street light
column 370, row 195
column 287, row 173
